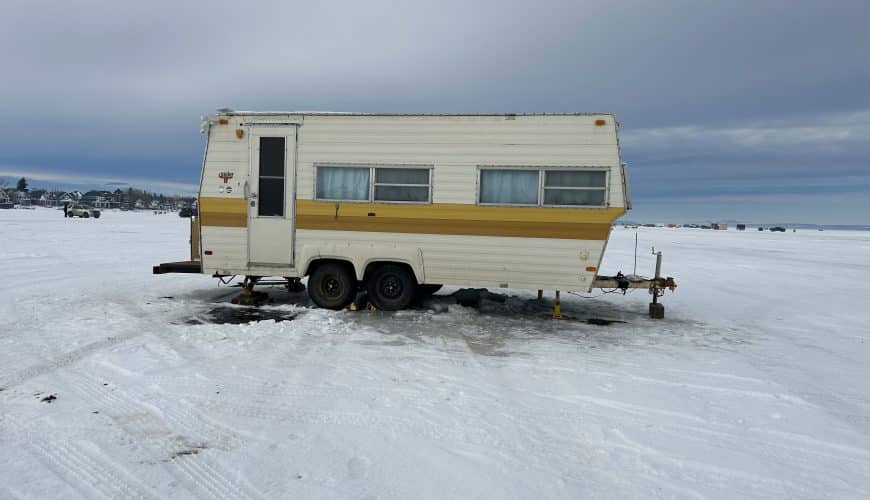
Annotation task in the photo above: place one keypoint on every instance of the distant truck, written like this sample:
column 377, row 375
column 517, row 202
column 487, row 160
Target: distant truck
column 80, row 211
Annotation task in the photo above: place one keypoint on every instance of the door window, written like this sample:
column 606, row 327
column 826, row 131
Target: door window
column 271, row 181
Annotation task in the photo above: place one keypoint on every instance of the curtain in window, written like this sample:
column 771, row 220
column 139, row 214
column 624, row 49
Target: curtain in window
column 419, row 176
column 564, row 187
column 578, row 179
column 573, row 197
column 509, row 186
column 343, row 183
column 402, row 184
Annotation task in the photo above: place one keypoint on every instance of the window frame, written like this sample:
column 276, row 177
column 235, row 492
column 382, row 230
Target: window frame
column 542, row 174
column 372, row 167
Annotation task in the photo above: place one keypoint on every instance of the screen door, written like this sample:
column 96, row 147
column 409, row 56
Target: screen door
column 271, row 196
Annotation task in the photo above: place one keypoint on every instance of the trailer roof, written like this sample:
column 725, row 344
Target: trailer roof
column 231, row 112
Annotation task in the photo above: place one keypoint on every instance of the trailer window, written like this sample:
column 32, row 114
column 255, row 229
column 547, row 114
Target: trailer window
column 509, row 187
column 343, row 183
column 575, row 187
column 402, row 184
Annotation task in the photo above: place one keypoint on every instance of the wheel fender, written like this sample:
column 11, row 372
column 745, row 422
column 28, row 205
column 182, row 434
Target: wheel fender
column 416, row 265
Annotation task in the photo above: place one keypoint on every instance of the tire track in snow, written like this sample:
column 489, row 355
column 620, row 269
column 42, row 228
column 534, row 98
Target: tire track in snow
column 789, row 441
column 194, row 467
column 109, row 482
column 18, row 377
column 67, row 459
column 208, row 478
column 250, row 386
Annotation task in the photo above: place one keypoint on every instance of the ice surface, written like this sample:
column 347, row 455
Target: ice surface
column 757, row 383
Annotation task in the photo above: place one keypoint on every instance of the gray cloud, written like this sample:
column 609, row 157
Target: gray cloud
column 717, row 90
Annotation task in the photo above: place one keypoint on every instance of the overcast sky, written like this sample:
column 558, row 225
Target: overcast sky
column 755, row 110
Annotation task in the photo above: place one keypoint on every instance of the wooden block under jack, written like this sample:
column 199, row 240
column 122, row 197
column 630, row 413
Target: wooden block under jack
column 656, row 310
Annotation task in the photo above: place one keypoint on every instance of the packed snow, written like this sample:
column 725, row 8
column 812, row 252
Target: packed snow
column 118, row 384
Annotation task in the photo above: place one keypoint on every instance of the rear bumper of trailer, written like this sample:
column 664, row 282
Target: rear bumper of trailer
column 186, row 267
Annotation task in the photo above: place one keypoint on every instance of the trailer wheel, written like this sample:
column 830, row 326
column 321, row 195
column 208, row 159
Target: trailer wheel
column 86, row 215
column 391, row 287
column 331, row 286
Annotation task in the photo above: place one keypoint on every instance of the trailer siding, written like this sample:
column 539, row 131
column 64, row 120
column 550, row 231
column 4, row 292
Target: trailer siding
column 457, row 145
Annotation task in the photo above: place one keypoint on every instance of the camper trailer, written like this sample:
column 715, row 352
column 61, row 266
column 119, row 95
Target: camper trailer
column 401, row 204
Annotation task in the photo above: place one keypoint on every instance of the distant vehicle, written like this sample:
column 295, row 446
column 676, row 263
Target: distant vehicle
column 187, row 212
column 741, row 227
column 777, row 229
column 82, row 212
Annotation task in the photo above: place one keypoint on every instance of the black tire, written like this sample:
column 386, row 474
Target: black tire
column 332, row 285
column 428, row 290
column 86, row 215
column 96, row 216
column 391, row 287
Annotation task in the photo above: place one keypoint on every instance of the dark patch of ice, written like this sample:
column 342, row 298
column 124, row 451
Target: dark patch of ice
column 227, row 315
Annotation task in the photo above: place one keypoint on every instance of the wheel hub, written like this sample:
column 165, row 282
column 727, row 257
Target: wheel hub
column 331, row 286
column 391, row 287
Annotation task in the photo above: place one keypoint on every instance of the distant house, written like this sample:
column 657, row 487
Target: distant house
column 139, row 204
column 22, row 199
column 69, row 198
column 101, row 199
column 5, row 201
column 47, row 198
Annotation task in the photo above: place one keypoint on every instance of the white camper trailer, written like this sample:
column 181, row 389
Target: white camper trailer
column 399, row 204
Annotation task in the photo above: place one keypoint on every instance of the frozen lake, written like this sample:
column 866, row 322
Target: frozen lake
column 756, row 384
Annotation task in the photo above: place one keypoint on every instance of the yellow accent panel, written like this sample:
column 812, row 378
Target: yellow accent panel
column 440, row 218
column 223, row 212
column 460, row 219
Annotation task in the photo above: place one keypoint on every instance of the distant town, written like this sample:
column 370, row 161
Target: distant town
column 21, row 196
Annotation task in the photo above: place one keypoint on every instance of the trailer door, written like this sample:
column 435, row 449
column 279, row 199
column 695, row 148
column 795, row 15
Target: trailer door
column 271, row 196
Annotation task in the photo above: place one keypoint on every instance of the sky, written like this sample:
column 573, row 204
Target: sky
column 742, row 110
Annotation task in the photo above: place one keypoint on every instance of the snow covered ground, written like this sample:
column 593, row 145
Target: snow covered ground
column 757, row 383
